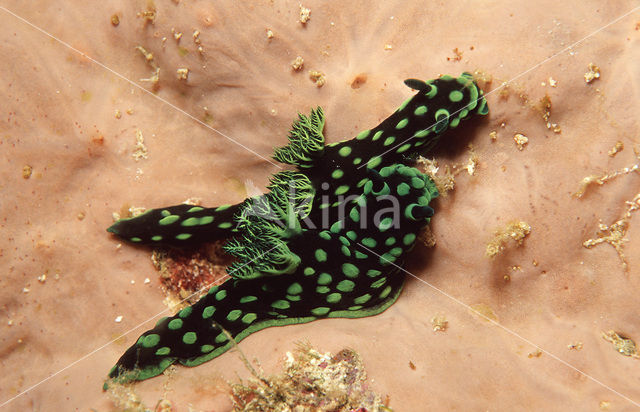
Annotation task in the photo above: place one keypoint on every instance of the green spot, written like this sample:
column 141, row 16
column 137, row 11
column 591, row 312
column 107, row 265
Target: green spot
column 403, row 189
column 156, row 238
column 308, row 271
column 221, row 295
column 378, row 283
column 337, row 174
column 322, row 289
column 422, row 133
column 383, row 192
column 281, row 304
column 213, row 290
column 369, row 242
column 374, row 162
column 354, row 214
column 390, row 241
column 432, row 93
column 377, row 135
column 420, row 110
column 194, row 209
column 442, row 120
column 356, row 307
column 363, row 135
column 404, row 104
column 222, row 207
column 402, row 124
column 345, row 251
column 206, row 348
column 336, row 227
column 324, row 279
column 325, row 235
column 184, row 313
column 387, row 259
column 224, row 225
column 320, row 311
column 165, row 213
column 189, row 338
column 362, row 299
column 175, row 324
column 208, row 312
column 350, row 270
column 168, row 220
column 483, row 109
column 357, row 160
column 455, row 96
column 386, row 171
column 321, row 255
column 234, row 315
column 249, row 318
column 342, row 190
column 135, row 239
column 222, row 337
column 408, row 239
column 163, row 351
column 360, row 255
column 192, row 221
column 344, row 151
column 294, row 289
column 417, row 183
column 454, row 123
column 345, row 286
column 385, row 224
column 334, row 298
column 294, row 298
column 396, row 251
column 151, row 340
column 247, row 299
column 183, row 236
column 372, row 273
column 205, row 220
column 385, row 292
column 352, row 235
column 389, row 141
column 403, row 148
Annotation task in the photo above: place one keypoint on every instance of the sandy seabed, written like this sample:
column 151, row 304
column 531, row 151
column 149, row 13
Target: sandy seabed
column 68, row 164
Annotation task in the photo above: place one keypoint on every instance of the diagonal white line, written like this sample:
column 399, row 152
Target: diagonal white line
column 535, row 66
column 134, row 84
column 510, row 331
column 224, row 278
column 162, row 312
column 257, row 154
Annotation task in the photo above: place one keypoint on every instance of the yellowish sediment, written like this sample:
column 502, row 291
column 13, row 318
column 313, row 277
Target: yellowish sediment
column 516, row 231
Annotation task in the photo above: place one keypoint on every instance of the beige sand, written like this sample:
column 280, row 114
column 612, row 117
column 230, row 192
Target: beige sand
column 58, row 117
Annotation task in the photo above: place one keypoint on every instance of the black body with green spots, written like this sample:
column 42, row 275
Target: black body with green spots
column 327, row 240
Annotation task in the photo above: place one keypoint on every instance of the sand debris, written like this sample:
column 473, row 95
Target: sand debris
column 521, row 140
column 592, row 74
column 516, row 231
column 622, row 344
column 311, row 381
column 318, row 78
column 297, row 64
column 140, row 151
column 305, row 14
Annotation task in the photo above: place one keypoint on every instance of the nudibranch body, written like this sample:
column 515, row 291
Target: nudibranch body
column 327, row 240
